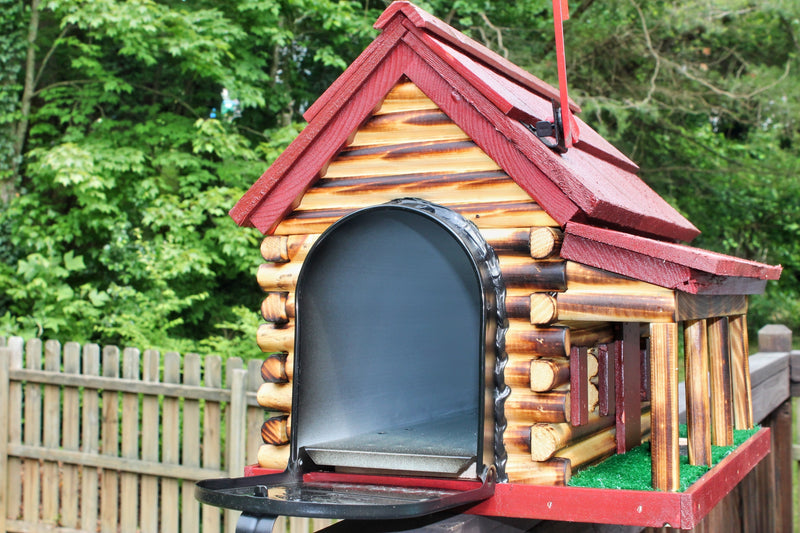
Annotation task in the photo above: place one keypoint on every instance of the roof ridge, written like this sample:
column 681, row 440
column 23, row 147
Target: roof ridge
column 425, row 21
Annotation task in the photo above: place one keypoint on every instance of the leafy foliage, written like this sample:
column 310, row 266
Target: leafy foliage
column 116, row 178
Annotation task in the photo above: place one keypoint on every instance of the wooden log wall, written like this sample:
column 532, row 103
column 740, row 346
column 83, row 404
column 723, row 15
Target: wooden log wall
column 410, row 148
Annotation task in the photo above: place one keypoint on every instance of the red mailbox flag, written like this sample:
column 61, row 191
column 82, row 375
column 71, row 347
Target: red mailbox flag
column 560, row 14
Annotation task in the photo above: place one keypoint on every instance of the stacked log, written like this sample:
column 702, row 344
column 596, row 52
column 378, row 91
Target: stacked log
column 554, row 306
column 278, row 279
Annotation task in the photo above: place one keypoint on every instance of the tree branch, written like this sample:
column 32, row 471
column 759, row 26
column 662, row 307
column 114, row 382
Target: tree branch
column 50, row 52
column 27, row 91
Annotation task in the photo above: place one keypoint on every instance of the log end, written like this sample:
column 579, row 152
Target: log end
column 544, row 309
column 545, row 242
column 544, row 442
column 276, row 430
column 273, row 457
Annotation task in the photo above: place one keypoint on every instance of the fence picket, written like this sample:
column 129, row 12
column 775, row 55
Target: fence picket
column 52, row 430
column 109, row 495
column 190, row 510
column 129, row 482
column 235, row 434
column 255, row 413
column 211, row 436
column 70, row 438
column 170, row 445
column 148, row 519
column 90, row 434
column 33, row 433
column 14, row 466
column 5, row 357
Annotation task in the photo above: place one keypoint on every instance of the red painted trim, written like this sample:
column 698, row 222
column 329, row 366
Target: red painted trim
column 579, row 385
column 368, row 59
column 559, row 16
column 605, row 380
column 428, row 23
column 319, row 141
column 489, row 128
column 666, row 264
column 328, row 138
column 628, row 507
column 561, row 185
column 602, row 506
column 627, row 384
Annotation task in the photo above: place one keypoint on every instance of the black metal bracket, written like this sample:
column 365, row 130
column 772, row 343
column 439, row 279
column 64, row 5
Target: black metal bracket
column 545, row 130
column 255, row 524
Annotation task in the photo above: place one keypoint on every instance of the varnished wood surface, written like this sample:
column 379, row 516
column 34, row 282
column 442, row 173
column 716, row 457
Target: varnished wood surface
column 693, row 306
column 402, row 127
column 278, row 277
column 274, row 369
column 277, row 308
column 517, row 437
column 590, row 333
column 273, row 457
column 525, row 406
column 664, row 406
column 579, row 385
column 602, row 306
column 518, row 305
column 545, row 439
column 545, row 242
column 275, row 396
column 721, row 393
column 521, row 469
column 697, row 392
column 523, row 338
column 283, row 248
column 479, row 186
column 598, row 445
column 275, row 430
column 740, row 372
column 405, row 97
column 485, row 215
column 541, row 374
column 533, row 275
column 581, row 277
column 275, row 338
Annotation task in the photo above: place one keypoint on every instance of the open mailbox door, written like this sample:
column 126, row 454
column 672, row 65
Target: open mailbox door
column 346, row 496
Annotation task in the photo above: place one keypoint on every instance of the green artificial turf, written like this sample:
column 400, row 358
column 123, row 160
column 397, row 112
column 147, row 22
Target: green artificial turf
column 631, row 470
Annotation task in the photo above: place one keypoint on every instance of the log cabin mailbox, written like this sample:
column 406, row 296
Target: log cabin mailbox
column 459, row 315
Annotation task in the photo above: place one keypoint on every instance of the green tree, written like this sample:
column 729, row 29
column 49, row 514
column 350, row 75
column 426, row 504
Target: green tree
column 116, row 229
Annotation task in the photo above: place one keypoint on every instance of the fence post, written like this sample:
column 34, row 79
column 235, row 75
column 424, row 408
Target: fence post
column 774, row 338
column 236, row 434
column 5, row 357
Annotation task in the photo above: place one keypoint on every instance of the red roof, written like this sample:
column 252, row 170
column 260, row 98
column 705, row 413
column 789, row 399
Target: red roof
column 671, row 265
column 492, row 100
column 489, row 98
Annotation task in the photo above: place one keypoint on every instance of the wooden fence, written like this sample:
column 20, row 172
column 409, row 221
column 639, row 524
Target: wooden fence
column 98, row 439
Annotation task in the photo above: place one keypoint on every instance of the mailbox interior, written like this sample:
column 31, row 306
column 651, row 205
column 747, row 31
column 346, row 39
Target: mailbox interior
column 390, row 355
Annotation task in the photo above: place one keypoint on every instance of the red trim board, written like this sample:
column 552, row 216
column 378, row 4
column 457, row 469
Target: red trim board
column 681, row 510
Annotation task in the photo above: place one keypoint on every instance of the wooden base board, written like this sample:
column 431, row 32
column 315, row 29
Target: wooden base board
column 680, row 510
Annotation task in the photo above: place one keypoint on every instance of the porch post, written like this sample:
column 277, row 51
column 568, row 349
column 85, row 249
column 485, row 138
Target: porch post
column 698, row 409
column 664, row 405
